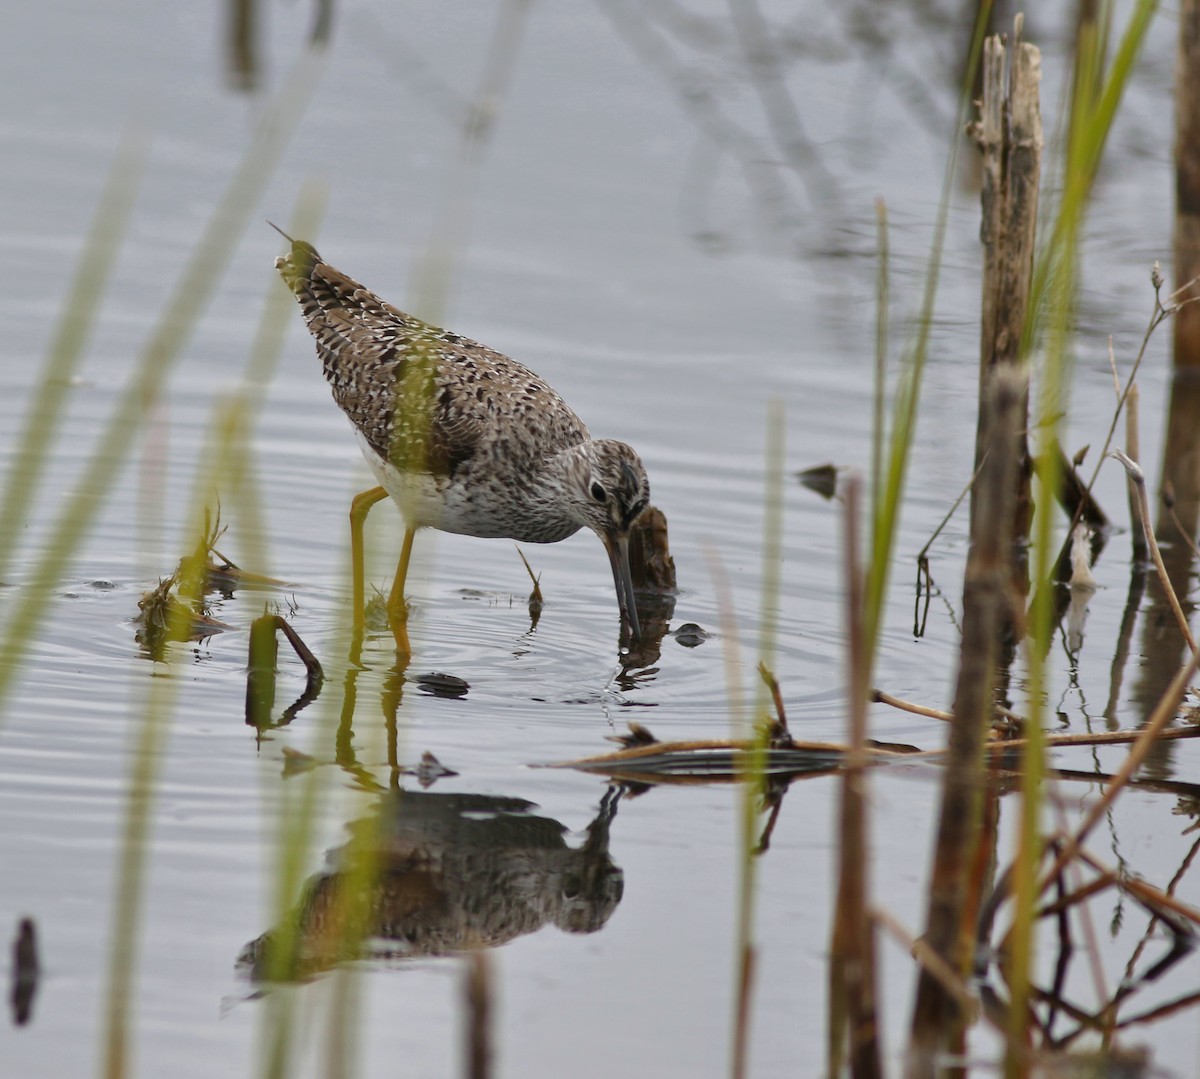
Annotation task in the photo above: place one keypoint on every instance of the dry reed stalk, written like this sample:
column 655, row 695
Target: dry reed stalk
column 951, row 980
column 1181, row 469
column 852, row 964
column 1180, row 472
column 883, row 697
column 1138, row 477
column 1134, row 450
column 478, row 994
column 1184, row 407
column 243, row 64
column 937, row 1020
column 665, row 762
column 1009, row 136
column 1003, row 718
column 1148, row 893
column 1164, row 711
column 1093, row 738
column 1131, row 963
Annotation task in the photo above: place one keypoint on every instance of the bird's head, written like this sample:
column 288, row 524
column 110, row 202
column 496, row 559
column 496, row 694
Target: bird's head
column 609, row 492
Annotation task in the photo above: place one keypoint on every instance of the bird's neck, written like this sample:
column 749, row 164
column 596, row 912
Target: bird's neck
column 549, row 490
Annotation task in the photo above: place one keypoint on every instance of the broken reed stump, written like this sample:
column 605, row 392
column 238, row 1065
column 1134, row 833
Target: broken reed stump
column 1009, row 136
column 650, row 563
column 261, row 669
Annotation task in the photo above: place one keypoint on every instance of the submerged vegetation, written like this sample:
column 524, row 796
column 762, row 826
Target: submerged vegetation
column 424, row 874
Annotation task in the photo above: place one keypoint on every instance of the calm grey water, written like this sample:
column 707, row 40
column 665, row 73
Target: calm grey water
column 616, row 253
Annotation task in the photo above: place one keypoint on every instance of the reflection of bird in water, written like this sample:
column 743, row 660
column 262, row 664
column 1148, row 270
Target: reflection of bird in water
column 463, row 438
column 450, row 873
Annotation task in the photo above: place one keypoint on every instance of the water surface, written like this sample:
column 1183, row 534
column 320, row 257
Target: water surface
column 614, row 252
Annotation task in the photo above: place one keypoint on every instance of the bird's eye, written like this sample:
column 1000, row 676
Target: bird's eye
column 598, row 492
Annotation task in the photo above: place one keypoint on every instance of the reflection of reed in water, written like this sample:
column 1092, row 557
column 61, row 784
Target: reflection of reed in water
column 453, row 872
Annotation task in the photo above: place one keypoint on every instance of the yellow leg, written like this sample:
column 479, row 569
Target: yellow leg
column 397, row 609
column 359, row 509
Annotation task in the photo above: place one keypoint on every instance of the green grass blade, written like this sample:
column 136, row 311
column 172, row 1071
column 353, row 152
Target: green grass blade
column 751, row 787
column 195, row 288
column 887, row 500
column 70, row 336
column 1096, row 99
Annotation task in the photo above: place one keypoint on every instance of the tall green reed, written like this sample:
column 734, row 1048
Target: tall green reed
column 890, row 454
column 196, row 286
column 1096, row 91
column 44, row 416
column 888, row 493
column 752, row 785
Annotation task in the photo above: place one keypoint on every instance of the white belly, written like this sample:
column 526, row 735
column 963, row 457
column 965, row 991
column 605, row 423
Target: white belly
column 429, row 501
column 422, row 500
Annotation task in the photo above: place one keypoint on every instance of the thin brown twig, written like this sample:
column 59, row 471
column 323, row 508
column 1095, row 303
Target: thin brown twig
column 1089, row 738
column 948, row 978
column 1134, row 470
column 1134, row 449
column 923, row 554
column 772, row 684
column 881, row 697
column 1164, row 711
column 1091, row 939
column 1094, row 738
column 1159, row 315
column 311, row 663
column 1146, row 892
column 1154, row 919
column 1184, row 534
column 1161, row 1012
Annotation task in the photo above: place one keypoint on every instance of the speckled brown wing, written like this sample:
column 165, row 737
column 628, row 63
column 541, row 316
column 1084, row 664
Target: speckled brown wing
column 385, row 367
column 426, row 399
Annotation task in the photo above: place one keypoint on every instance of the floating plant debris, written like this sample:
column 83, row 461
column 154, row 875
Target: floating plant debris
column 442, row 685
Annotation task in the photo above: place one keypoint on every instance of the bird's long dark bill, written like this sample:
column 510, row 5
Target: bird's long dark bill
column 618, row 555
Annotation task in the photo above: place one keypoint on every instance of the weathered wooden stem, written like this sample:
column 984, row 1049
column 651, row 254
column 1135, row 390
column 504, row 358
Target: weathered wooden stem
column 1009, row 135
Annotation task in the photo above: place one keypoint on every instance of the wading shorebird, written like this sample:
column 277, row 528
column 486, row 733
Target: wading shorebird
column 463, row 438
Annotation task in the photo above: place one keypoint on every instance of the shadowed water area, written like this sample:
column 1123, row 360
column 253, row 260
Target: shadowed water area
column 672, row 249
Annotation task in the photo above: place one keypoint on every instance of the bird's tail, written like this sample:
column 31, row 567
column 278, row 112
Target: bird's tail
column 297, row 266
